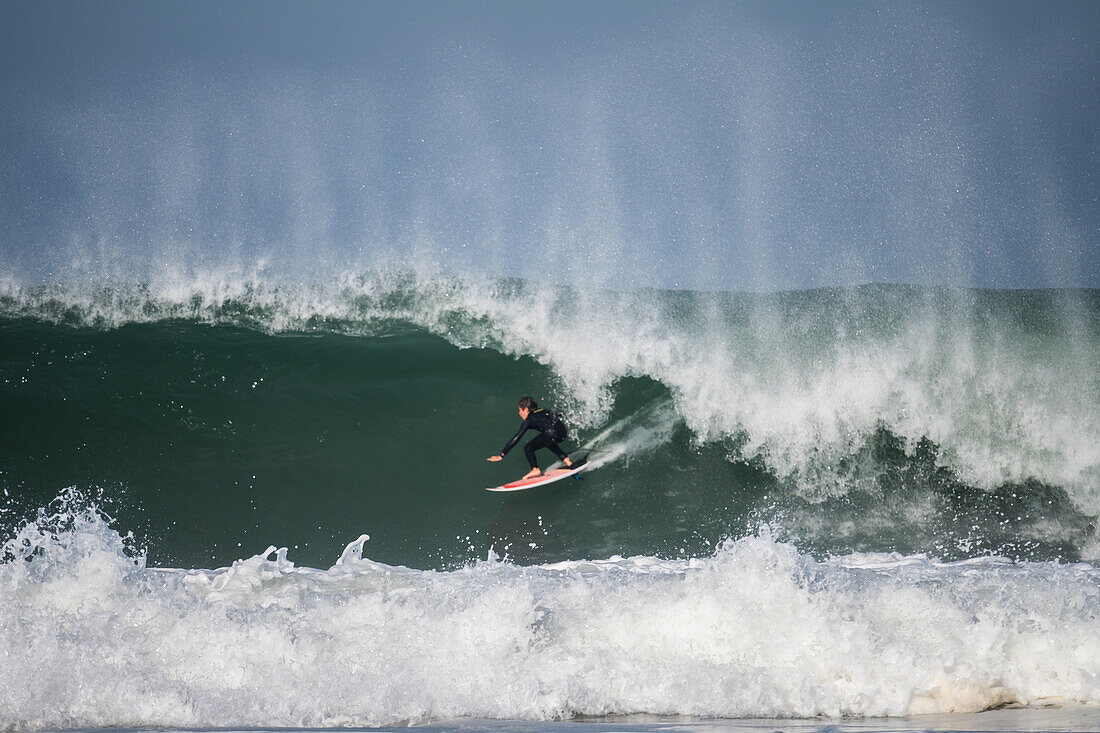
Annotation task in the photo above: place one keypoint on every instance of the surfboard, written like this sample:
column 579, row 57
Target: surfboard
column 547, row 478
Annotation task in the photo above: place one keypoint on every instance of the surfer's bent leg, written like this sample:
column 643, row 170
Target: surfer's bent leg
column 539, row 441
column 542, row 440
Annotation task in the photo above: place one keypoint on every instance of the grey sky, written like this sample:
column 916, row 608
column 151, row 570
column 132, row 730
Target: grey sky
column 630, row 144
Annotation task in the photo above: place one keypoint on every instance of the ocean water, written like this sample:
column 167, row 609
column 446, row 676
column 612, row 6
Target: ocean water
column 230, row 502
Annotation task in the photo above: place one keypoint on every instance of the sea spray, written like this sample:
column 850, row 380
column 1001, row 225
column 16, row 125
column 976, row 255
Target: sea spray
column 755, row 629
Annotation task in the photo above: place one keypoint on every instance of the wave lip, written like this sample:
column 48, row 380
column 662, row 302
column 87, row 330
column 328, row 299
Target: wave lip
column 94, row 638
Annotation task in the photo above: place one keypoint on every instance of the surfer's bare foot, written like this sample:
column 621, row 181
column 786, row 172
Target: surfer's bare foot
column 533, row 472
column 568, row 463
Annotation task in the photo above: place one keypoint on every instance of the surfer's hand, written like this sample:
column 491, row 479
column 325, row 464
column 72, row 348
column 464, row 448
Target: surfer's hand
column 494, row 459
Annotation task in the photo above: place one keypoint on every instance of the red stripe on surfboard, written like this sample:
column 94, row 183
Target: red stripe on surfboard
column 534, row 480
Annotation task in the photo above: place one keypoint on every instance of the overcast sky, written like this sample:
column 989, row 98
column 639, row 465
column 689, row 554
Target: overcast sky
column 768, row 145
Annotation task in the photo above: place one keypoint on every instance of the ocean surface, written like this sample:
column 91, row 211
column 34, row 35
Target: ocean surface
column 235, row 503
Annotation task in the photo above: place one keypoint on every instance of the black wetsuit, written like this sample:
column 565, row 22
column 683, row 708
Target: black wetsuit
column 551, row 432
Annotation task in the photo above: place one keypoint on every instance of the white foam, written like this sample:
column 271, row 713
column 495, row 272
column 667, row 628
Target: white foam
column 91, row 637
column 805, row 390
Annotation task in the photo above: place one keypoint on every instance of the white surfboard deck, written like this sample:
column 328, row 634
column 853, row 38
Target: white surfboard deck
column 549, row 477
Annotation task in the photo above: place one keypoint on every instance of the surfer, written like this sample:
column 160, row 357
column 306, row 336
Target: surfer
column 551, row 432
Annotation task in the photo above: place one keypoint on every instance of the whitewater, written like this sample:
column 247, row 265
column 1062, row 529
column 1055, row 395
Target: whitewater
column 93, row 637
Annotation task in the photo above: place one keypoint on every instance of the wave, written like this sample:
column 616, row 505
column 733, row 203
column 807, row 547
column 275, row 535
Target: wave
column 754, row 629
column 1002, row 382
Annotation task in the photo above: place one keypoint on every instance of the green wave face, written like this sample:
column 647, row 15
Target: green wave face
column 215, row 421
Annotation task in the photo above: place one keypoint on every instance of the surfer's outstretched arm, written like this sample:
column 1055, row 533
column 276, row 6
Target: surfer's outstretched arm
column 511, row 443
column 515, row 439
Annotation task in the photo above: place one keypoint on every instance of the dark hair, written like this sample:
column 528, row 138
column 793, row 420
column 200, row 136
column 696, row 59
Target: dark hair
column 528, row 403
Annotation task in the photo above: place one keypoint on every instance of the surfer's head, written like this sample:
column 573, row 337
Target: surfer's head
column 526, row 406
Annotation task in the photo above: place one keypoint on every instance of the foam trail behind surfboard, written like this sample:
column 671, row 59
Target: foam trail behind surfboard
column 642, row 431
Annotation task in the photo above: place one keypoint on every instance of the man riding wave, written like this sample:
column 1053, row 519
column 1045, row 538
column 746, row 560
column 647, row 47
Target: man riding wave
column 551, row 431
